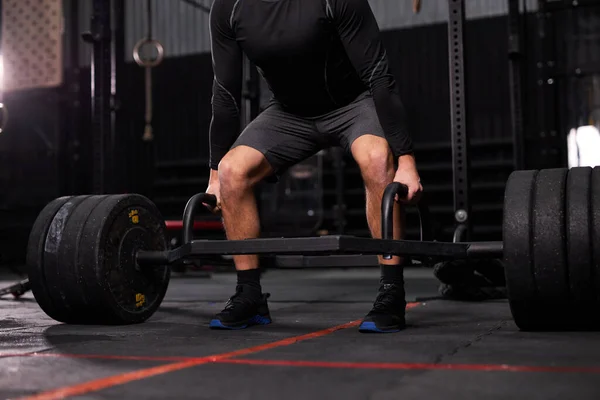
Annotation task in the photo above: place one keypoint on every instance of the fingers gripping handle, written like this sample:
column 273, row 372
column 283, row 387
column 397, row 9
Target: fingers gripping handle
column 190, row 211
column 387, row 208
column 387, row 214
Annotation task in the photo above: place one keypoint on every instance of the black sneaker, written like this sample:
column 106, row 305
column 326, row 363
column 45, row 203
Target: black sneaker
column 387, row 314
column 247, row 307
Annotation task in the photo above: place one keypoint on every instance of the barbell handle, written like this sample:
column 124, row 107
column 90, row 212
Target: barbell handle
column 387, row 210
column 387, row 214
column 190, row 210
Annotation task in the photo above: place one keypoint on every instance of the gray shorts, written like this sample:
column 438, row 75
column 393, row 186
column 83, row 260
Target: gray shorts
column 286, row 139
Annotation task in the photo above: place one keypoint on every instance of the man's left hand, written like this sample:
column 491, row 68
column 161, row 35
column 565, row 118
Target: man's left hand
column 408, row 175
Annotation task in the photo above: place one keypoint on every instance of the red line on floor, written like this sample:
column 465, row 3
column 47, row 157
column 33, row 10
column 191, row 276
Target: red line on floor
column 213, row 358
column 120, row 379
column 184, row 358
column 412, row 366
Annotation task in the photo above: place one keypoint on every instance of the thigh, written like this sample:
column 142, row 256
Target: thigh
column 283, row 138
column 351, row 122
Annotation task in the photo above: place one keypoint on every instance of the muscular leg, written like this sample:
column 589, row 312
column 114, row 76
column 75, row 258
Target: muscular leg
column 359, row 131
column 377, row 168
column 271, row 143
column 376, row 163
column 239, row 171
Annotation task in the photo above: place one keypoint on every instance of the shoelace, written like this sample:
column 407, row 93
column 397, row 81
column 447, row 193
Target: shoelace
column 386, row 298
column 239, row 299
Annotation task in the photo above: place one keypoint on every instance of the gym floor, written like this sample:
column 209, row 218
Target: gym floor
column 451, row 350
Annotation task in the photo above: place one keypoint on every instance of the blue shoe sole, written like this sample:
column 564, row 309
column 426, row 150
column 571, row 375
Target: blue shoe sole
column 256, row 320
column 370, row 327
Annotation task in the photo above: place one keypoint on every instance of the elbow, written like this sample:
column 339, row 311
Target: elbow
column 223, row 112
column 224, row 100
column 384, row 82
column 224, row 107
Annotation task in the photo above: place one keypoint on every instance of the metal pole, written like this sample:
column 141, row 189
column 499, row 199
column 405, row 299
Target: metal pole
column 458, row 112
column 515, row 56
column 121, row 149
column 101, row 68
column 250, row 93
column 340, row 202
column 70, row 165
column 549, row 144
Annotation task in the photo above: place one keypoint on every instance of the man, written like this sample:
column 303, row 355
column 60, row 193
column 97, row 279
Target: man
column 327, row 68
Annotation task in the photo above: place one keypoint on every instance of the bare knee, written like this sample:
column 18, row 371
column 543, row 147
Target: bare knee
column 240, row 170
column 233, row 177
column 377, row 165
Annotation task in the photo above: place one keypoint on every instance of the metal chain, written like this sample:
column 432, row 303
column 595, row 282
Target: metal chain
column 149, row 19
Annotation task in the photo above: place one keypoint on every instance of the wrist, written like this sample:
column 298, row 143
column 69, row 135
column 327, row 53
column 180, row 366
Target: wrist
column 214, row 174
column 406, row 160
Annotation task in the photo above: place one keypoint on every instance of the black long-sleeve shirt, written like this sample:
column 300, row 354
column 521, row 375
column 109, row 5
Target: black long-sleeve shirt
column 315, row 55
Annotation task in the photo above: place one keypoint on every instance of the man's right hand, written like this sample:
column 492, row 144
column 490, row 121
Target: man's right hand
column 215, row 189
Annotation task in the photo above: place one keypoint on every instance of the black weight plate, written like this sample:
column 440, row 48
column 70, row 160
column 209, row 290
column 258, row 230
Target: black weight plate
column 549, row 249
column 73, row 290
column 121, row 292
column 579, row 246
column 517, row 232
column 595, row 217
column 55, row 281
column 35, row 256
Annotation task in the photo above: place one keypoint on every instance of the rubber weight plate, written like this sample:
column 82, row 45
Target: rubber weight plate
column 120, row 292
column 595, row 217
column 35, row 256
column 549, row 249
column 517, row 232
column 579, row 247
column 67, row 272
column 56, row 280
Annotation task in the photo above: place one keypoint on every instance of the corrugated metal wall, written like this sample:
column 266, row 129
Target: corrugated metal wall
column 398, row 14
column 183, row 29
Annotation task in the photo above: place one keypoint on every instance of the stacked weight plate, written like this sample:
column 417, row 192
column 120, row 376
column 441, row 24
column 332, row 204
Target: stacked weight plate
column 81, row 259
column 552, row 248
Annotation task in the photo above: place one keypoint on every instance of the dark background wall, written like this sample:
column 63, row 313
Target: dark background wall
column 47, row 145
column 45, row 152
column 418, row 57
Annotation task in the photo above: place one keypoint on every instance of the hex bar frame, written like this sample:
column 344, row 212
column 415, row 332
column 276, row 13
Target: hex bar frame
column 324, row 245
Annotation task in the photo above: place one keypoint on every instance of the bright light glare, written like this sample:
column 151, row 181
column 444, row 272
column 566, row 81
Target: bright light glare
column 584, row 147
column 1, row 72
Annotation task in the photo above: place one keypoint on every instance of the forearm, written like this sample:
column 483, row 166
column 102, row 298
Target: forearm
column 407, row 161
column 224, row 130
column 224, row 125
column 227, row 82
column 360, row 35
column 214, row 175
column 392, row 116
